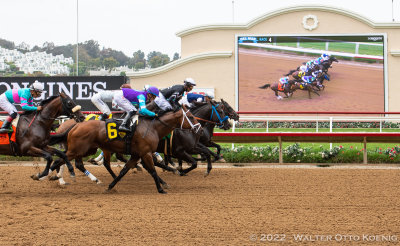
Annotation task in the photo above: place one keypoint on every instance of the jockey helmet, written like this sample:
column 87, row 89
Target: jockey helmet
column 209, row 94
column 189, row 81
column 37, row 86
column 153, row 90
column 284, row 79
column 324, row 55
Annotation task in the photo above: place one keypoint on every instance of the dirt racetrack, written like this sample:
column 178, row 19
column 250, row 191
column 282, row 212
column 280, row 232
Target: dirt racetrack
column 354, row 86
column 232, row 206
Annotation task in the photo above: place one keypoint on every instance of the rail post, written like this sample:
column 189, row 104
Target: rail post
column 365, row 155
column 280, row 150
column 330, row 128
column 233, row 130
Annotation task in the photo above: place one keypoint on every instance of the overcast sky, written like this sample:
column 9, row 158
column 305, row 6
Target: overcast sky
column 130, row 25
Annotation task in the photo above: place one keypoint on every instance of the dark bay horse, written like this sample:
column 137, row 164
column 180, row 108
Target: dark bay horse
column 279, row 87
column 33, row 130
column 185, row 144
column 84, row 139
column 208, row 130
column 328, row 63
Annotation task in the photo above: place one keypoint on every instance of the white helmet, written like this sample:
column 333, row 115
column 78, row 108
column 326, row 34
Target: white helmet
column 189, row 81
column 209, row 94
column 37, row 86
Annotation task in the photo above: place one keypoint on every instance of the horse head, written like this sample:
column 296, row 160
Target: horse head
column 218, row 115
column 70, row 108
column 55, row 106
column 228, row 110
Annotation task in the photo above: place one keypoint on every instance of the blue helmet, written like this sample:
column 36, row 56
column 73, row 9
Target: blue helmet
column 324, row 55
column 153, row 90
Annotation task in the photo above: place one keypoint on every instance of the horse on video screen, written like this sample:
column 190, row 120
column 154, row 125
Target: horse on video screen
column 285, row 88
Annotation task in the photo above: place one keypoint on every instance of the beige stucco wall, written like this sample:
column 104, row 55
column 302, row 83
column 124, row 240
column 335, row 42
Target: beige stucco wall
column 220, row 72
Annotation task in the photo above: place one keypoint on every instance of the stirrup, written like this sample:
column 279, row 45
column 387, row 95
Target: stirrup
column 5, row 130
column 124, row 128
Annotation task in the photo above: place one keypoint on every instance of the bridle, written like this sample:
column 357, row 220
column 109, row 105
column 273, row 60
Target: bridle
column 220, row 122
column 195, row 127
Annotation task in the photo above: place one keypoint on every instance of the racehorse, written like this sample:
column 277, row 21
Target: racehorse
column 84, row 139
column 208, row 130
column 286, row 88
column 305, row 86
column 184, row 144
column 33, row 130
column 328, row 63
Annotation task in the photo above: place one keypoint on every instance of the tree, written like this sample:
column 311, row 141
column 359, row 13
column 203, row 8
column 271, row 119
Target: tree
column 176, row 56
column 139, row 65
column 92, row 48
column 110, row 63
column 7, row 44
column 157, row 59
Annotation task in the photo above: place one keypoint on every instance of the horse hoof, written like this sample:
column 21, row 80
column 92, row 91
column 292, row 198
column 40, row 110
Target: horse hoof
column 206, row 174
column 222, row 160
column 182, row 174
column 54, row 177
column 166, row 186
column 176, row 172
column 35, row 176
column 98, row 181
column 110, row 191
column 162, row 191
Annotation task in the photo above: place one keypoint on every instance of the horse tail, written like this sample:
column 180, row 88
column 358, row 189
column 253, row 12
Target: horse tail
column 290, row 72
column 60, row 137
column 265, row 86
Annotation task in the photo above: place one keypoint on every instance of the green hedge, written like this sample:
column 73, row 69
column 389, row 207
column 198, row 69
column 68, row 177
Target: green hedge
column 287, row 124
column 297, row 154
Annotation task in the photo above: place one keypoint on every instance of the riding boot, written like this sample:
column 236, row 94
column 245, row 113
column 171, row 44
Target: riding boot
column 123, row 127
column 7, row 123
column 103, row 117
column 5, row 127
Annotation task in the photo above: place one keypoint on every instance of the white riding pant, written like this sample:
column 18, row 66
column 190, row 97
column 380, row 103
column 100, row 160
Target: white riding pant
column 122, row 102
column 162, row 103
column 100, row 100
column 6, row 105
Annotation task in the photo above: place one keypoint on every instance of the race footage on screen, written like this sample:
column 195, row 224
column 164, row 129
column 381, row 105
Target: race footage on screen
column 343, row 73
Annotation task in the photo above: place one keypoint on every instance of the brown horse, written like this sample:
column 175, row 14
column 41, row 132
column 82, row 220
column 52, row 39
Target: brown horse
column 33, row 130
column 279, row 87
column 84, row 139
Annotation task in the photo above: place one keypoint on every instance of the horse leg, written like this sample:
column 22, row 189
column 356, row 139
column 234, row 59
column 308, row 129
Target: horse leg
column 277, row 96
column 131, row 163
column 163, row 183
column 106, row 163
column 81, row 167
column 61, row 154
column 149, row 165
column 164, row 167
column 204, row 150
column 188, row 158
column 33, row 151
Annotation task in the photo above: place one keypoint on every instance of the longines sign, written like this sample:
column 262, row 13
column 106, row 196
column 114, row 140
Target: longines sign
column 80, row 89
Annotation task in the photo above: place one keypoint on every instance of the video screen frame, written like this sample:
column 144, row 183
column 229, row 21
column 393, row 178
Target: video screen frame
column 330, row 36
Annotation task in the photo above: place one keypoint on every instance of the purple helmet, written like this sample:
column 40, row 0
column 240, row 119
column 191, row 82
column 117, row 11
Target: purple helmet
column 153, row 90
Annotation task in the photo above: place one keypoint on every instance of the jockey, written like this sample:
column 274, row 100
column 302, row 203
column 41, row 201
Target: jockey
column 304, row 68
column 325, row 57
column 101, row 98
column 21, row 96
column 170, row 96
column 192, row 99
column 310, row 64
column 284, row 80
column 127, row 98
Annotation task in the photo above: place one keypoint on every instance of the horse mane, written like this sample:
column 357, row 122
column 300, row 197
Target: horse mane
column 197, row 108
column 47, row 100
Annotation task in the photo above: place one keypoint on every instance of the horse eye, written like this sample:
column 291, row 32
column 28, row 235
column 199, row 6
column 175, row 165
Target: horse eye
column 70, row 104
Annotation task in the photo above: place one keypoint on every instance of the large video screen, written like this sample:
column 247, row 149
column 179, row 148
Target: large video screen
column 331, row 73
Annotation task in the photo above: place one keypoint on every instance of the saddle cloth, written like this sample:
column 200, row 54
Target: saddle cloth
column 5, row 138
column 113, row 133
column 281, row 87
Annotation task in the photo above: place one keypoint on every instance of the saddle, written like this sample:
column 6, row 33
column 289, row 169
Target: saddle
column 281, row 87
